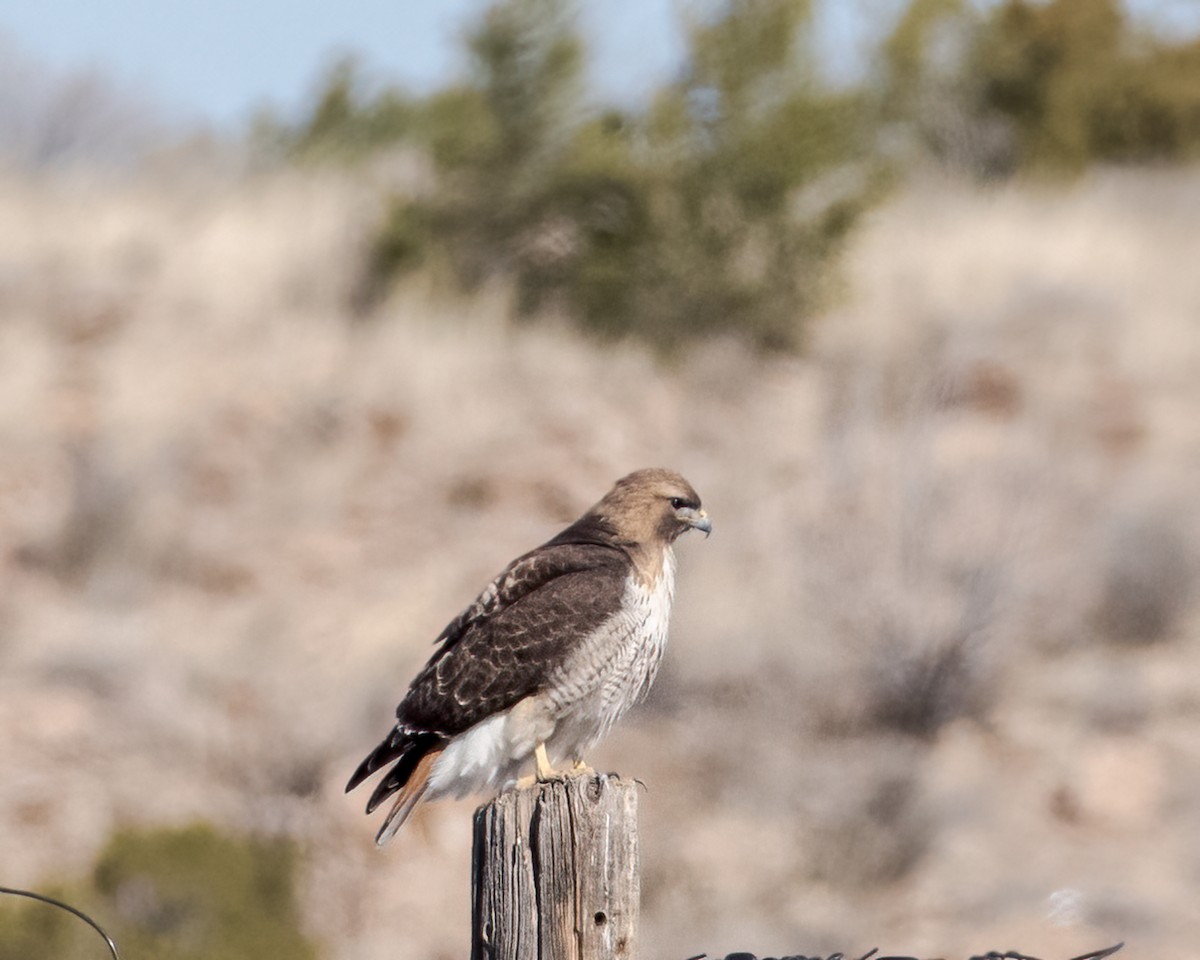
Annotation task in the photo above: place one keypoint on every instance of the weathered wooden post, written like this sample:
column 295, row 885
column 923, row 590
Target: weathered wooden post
column 555, row 873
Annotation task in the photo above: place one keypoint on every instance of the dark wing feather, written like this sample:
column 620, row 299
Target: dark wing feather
column 505, row 645
column 398, row 745
column 407, row 762
column 498, row 651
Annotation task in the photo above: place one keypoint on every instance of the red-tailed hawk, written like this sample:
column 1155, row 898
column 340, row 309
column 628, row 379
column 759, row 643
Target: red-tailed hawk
column 547, row 658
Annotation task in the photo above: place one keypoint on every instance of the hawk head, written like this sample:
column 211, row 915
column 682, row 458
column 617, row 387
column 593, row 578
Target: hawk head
column 651, row 506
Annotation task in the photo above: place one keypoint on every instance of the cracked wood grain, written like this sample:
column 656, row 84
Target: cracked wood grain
column 555, row 872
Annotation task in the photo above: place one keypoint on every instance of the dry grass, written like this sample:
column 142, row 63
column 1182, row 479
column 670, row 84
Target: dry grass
column 930, row 683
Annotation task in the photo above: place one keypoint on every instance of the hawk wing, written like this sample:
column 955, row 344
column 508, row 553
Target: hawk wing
column 498, row 651
column 505, row 645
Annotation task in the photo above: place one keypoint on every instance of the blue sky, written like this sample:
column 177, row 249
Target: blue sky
column 219, row 59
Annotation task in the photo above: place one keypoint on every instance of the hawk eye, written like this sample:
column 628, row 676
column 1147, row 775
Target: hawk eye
column 676, row 503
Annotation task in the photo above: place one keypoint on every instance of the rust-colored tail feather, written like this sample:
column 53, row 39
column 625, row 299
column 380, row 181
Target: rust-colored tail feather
column 412, row 756
column 408, row 796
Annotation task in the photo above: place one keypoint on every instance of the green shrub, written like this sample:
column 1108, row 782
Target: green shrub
column 715, row 211
column 350, row 118
column 722, row 206
column 31, row 930
column 1044, row 87
column 177, row 894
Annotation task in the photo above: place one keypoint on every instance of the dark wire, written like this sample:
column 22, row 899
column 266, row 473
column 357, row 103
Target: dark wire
column 112, row 947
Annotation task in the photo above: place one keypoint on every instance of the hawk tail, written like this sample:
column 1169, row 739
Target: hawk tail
column 398, row 743
column 407, row 797
column 412, row 756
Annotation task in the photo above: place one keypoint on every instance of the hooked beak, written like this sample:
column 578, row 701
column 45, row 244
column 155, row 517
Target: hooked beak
column 699, row 521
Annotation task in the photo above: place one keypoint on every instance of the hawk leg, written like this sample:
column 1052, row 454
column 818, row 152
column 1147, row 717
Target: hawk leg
column 581, row 769
column 544, row 770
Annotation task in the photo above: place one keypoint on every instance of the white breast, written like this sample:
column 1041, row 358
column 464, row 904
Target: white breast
column 615, row 667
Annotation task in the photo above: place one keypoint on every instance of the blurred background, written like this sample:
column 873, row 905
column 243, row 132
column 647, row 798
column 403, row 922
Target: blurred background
column 311, row 319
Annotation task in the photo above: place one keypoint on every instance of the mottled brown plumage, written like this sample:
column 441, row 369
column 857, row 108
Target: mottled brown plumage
column 551, row 653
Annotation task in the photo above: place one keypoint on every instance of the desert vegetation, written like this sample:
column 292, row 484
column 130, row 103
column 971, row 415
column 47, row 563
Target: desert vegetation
column 931, row 681
column 723, row 204
column 176, row 894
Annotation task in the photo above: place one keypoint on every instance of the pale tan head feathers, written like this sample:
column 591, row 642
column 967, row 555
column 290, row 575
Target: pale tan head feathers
column 652, row 507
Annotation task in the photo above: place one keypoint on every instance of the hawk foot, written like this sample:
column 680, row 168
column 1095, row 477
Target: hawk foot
column 547, row 774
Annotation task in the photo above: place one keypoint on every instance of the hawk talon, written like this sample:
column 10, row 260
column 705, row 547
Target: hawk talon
column 545, row 772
